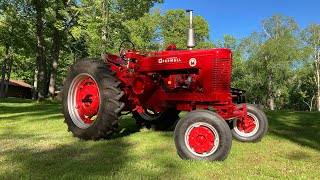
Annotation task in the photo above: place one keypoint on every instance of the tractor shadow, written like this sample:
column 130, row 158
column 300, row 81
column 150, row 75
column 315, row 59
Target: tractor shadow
column 299, row 127
column 77, row 160
column 14, row 109
column 54, row 154
column 127, row 126
column 45, row 155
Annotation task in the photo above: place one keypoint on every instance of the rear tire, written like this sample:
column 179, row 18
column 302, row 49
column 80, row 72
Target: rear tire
column 91, row 100
column 159, row 121
column 255, row 129
column 202, row 135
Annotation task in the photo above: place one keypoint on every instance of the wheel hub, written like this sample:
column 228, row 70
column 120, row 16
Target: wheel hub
column 87, row 100
column 247, row 125
column 201, row 139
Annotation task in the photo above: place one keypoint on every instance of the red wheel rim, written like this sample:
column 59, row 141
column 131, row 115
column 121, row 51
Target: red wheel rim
column 87, row 100
column 83, row 101
column 202, row 139
column 247, row 125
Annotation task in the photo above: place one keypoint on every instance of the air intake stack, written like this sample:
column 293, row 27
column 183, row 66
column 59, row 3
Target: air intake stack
column 190, row 43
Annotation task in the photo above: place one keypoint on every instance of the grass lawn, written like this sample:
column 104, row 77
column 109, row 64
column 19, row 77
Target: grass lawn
column 34, row 144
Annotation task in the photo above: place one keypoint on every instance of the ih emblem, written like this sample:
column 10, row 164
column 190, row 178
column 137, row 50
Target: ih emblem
column 192, row 62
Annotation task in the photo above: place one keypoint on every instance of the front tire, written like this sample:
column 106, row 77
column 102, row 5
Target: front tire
column 251, row 129
column 202, row 135
column 91, row 100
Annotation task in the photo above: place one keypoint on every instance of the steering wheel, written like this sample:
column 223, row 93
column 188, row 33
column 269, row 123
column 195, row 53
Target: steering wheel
column 123, row 49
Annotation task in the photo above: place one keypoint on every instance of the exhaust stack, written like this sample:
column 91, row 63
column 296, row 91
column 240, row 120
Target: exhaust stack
column 190, row 43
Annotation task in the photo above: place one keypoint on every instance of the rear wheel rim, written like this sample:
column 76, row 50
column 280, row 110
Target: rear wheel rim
column 83, row 100
column 247, row 127
column 202, row 139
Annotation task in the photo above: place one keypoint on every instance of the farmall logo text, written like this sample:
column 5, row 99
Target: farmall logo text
column 169, row 60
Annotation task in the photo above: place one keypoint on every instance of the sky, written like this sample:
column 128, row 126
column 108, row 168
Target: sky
column 241, row 17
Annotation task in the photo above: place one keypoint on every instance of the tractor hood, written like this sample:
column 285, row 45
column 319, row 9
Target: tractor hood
column 182, row 59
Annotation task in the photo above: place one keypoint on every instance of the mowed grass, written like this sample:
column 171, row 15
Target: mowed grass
column 34, row 144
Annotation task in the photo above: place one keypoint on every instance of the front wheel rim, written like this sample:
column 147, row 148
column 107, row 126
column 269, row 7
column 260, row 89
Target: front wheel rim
column 83, row 100
column 202, row 139
column 247, row 127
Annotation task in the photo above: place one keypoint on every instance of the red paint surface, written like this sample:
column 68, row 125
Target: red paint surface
column 192, row 79
column 247, row 125
column 201, row 139
column 87, row 100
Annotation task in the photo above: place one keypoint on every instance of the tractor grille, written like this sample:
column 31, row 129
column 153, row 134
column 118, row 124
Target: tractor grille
column 221, row 74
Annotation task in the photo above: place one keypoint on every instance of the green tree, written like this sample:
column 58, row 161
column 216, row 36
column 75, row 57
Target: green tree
column 102, row 24
column 174, row 30
column 311, row 36
column 144, row 32
column 275, row 57
column 302, row 93
column 39, row 7
column 62, row 20
column 15, row 38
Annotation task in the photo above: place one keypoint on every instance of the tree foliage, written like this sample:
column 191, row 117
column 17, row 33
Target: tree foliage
column 279, row 65
column 16, row 41
column 174, row 29
column 311, row 37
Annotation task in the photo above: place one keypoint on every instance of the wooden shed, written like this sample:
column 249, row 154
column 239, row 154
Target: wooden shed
column 19, row 89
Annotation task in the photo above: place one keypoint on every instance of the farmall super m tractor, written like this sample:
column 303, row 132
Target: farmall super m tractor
column 155, row 87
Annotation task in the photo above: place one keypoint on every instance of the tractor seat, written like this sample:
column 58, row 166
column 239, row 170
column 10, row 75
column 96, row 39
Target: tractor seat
column 114, row 59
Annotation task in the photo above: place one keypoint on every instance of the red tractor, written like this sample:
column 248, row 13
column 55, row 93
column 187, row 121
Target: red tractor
column 155, row 87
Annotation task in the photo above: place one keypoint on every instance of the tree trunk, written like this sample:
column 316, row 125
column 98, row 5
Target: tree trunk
column 271, row 103
column 318, row 100
column 54, row 66
column 8, row 76
column 270, row 91
column 3, row 72
column 42, row 68
column 317, row 65
column 35, row 82
column 104, row 29
column 55, row 52
column 270, row 95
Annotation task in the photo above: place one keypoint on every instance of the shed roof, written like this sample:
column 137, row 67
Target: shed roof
column 19, row 83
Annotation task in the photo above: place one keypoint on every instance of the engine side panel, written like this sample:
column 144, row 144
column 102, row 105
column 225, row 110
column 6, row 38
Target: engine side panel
column 175, row 60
